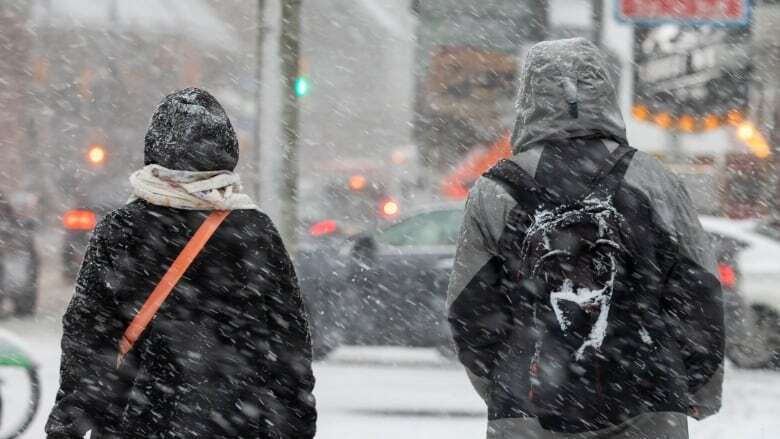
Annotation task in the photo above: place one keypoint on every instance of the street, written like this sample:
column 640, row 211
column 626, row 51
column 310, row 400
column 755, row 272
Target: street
column 520, row 178
column 382, row 392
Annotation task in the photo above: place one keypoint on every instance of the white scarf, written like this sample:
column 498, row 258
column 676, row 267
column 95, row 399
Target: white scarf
column 213, row 190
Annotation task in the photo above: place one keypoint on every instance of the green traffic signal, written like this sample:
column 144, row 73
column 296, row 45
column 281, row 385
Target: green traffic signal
column 301, row 86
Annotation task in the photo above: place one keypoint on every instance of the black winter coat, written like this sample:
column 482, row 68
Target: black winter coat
column 228, row 355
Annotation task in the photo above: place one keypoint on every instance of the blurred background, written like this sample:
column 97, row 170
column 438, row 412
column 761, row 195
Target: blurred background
column 362, row 125
column 432, row 79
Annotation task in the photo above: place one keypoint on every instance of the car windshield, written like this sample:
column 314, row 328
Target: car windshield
column 435, row 228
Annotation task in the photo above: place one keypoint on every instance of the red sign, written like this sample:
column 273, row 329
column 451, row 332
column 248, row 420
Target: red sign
column 684, row 11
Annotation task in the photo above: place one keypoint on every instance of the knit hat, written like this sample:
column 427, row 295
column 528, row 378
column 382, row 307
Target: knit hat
column 190, row 131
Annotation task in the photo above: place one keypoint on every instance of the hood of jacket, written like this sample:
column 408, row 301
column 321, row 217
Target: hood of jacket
column 566, row 92
column 190, row 131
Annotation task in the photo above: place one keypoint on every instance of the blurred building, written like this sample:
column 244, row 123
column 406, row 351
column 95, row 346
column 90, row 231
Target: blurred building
column 98, row 70
column 766, row 99
column 95, row 71
column 466, row 68
column 359, row 57
column 15, row 45
column 467, row 65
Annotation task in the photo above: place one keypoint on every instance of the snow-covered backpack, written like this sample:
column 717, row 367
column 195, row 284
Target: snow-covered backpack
column 572, row 266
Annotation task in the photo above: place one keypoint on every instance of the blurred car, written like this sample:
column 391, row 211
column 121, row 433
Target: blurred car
column 341, row 199
column 19, row 261
column 78, row 225
column 753, row 329
column 91, row 199
column 387, row 286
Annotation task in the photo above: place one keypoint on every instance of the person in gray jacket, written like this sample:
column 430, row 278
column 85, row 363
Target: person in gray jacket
column 568, row 128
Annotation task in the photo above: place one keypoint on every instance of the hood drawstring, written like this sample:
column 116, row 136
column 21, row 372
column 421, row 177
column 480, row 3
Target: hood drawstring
column 570, row 91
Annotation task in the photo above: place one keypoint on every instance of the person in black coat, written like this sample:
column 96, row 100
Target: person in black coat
column 228, row 354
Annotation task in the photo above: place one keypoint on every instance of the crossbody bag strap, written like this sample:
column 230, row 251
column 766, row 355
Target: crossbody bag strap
column 168, row 282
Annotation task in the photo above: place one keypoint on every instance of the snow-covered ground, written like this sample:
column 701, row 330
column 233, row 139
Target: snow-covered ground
column 394, row 392
column 377, row 393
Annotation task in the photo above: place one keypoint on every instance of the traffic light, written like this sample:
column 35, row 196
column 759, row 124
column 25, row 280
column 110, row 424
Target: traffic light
column 96, row 154
column 301, row 86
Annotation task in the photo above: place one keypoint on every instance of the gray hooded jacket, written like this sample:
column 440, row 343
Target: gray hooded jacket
column 568, row 119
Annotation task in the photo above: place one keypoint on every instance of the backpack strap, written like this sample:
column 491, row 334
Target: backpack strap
column 519, row 184
column 169, row 281
column 610, row 176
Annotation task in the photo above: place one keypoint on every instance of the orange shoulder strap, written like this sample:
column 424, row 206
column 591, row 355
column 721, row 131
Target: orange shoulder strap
column 169, row 281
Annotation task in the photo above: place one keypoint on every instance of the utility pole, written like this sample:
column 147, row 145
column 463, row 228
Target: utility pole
column 290, row 48
column 774, row 207
column 765, row 52
column 15, row 48
column 769, row 51
column 598, row 22
column 257, row 153
column 539, row 10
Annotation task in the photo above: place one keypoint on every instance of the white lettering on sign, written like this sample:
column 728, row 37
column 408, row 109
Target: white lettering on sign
column 664, row 68
column 705, row 58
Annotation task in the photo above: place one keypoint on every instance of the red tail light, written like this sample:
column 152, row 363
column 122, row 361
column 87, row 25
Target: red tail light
column 728, row 278
column 322, row 228
column 79, row 220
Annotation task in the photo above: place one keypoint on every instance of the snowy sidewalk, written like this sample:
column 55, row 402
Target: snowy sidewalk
column 384, row 393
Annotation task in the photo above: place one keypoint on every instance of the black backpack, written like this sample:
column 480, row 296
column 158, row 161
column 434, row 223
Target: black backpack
column 573, row 274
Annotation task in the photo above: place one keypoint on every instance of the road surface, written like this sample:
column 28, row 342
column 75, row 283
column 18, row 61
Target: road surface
column 377, row 393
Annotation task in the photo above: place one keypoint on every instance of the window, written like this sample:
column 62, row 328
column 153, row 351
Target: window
column 427, row 229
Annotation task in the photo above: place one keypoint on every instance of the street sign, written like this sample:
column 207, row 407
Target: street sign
column 689, row 12
column 691, row 78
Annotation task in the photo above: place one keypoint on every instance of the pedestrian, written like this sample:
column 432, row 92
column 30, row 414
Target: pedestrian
column 583, row 301
column 228, row 352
